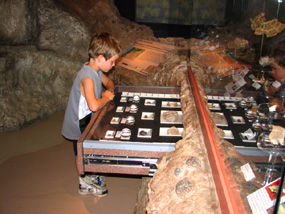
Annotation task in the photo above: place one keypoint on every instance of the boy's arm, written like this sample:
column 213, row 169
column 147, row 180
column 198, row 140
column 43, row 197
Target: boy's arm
column 108, row 83
column 87, row 91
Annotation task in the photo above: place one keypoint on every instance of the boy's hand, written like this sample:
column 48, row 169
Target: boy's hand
column 108, row 94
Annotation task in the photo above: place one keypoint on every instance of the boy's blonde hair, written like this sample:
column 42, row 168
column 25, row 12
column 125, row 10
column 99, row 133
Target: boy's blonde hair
column 103, row 44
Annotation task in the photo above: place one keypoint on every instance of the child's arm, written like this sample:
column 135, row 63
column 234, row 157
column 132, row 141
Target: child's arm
column 87, row 90
column 108, row 83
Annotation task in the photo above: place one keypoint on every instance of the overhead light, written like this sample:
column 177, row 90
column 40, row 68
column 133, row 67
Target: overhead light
column 280, row 1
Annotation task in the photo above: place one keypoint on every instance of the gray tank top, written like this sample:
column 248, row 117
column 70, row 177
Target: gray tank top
column 77, row 105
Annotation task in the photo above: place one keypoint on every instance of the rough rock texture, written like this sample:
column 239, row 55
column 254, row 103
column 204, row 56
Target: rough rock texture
column 34, row 83
column 15, row 29
column 61, row 33
column 142, row 198
column 183, row 182
column 36, row 77
column 103, row 16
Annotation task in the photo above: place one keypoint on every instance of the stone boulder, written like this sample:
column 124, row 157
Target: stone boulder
column 61, row 33
column 34, row 85
column 36, row 77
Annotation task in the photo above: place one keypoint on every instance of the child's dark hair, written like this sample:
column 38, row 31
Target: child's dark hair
column 278, row 53
column 103, row 44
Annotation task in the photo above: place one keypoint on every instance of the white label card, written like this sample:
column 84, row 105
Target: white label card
column 247, row 172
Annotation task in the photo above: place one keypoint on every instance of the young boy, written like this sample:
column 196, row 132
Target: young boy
column 86, row 97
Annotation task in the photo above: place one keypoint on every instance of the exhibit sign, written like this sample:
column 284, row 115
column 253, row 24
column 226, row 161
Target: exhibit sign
column 144, row 56
column 264, row 198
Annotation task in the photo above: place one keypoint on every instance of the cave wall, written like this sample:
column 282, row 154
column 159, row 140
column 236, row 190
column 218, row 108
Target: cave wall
column 40, row 53
column 43, row 46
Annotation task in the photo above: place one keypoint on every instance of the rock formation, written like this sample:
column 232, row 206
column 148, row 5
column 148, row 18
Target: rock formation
column 183, row 182
column 43, row 45
column 186, row 173
column 42, row 48
column 39, row 55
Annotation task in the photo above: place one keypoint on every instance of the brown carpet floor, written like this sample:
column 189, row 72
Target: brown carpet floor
column 38, row 175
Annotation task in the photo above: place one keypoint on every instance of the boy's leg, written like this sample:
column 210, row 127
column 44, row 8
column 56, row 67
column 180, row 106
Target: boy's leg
column 90, row 184
column 95, row 183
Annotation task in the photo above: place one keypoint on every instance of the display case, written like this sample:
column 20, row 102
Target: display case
column 245, row 121
column 130, row 133
column 142, row 123
column 244, row 118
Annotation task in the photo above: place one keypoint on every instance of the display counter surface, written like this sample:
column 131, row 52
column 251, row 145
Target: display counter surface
column 146, row 122
column 142, row 117
column 234, row 119
column 130, row 133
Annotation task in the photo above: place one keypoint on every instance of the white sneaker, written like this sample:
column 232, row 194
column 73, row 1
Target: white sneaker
column 96, row 180
column 92, row 190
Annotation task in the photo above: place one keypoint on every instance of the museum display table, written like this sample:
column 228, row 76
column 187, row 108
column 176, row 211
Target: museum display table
column 143, row 123
column 130, row 133
column 141, row 135
column 234, row 114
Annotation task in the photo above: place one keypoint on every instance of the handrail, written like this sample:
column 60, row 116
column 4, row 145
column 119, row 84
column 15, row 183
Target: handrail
column 229, row 202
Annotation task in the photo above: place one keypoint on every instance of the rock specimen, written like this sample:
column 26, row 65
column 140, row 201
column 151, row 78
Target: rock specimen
column 170, row 116
column 173, row 131
column 277, row 135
